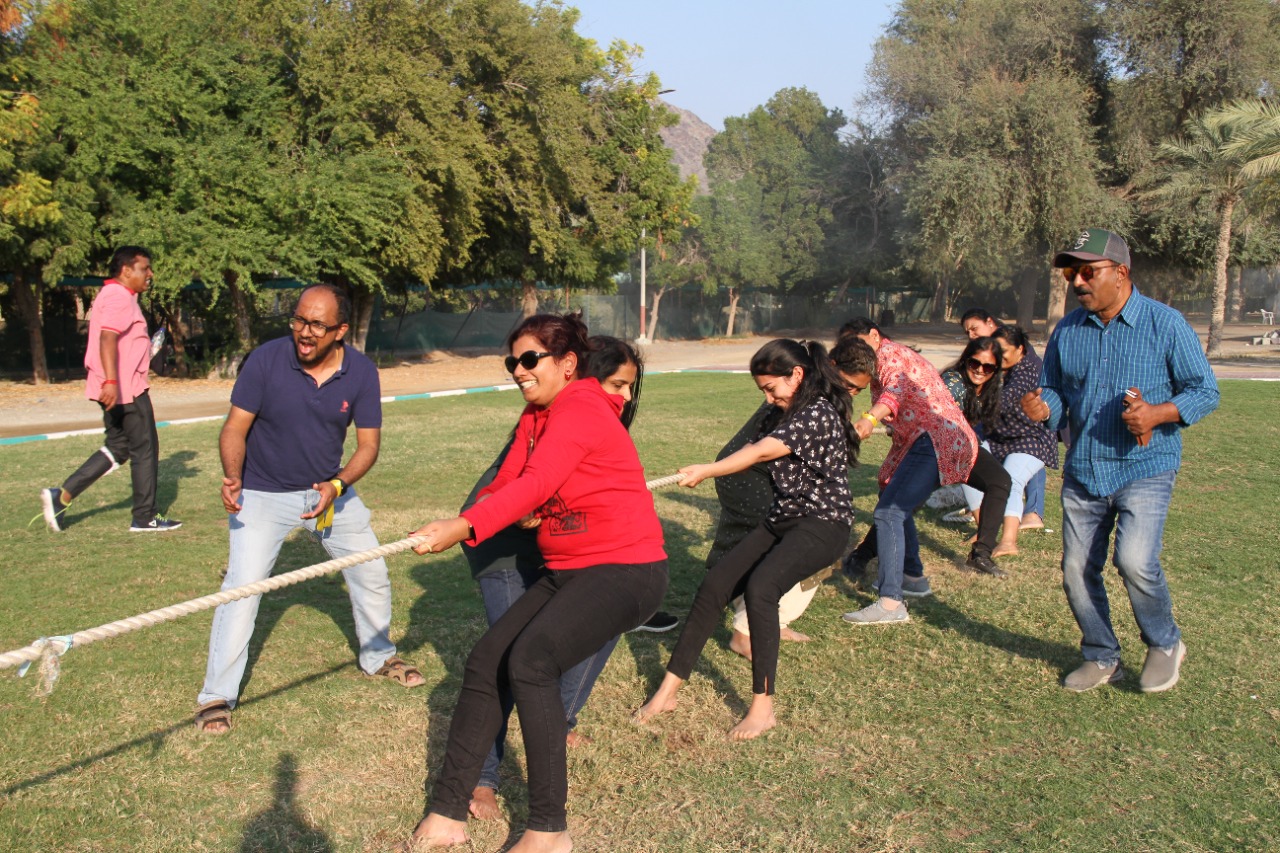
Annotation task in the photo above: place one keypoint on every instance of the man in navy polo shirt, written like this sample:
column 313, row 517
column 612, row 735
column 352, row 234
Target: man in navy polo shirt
column 281, row 450
column 1129, row 375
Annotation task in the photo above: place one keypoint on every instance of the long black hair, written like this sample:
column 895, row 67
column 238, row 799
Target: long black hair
column 606, row 355
column 819, row 379
column 982, row 408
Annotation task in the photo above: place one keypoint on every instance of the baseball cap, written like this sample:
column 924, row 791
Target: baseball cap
column 1094, row 244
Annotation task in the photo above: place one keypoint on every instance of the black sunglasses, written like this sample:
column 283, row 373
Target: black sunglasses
column 1085, row 271
column 983, row 367
column 527, row 359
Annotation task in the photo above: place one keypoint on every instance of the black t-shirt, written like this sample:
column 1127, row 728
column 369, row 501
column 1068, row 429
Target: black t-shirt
column 813, row 479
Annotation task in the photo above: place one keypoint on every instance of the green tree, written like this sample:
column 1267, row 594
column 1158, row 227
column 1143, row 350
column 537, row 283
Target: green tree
column 764, row 224
column 991, row 108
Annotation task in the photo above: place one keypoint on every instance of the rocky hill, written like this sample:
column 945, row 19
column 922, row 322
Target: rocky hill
column 688, row 141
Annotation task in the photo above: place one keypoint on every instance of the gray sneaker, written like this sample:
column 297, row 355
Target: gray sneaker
column 911, row 587
column 1091, row 674
column 877, row 614
column 1160, row 670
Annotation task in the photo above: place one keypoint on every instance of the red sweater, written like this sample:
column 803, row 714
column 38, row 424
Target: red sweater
column 574, row 465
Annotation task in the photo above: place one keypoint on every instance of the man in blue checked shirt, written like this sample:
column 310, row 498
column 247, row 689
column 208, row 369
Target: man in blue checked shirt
column 1128, row 374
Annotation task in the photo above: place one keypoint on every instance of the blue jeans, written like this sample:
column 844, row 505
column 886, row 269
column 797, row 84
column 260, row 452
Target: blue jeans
column 500, row 589
column 257, row 532
column 1036, row 488
column 1022, row 468
column 910, row 486
column 1137, row 512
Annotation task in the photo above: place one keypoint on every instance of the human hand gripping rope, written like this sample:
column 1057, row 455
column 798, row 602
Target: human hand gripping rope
column 49, row 650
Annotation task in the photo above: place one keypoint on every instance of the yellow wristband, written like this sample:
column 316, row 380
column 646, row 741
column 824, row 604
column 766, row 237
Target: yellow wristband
column 338, row 485
column 871, row 418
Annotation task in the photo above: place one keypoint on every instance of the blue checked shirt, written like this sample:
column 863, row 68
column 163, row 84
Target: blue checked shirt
column 1088, row 366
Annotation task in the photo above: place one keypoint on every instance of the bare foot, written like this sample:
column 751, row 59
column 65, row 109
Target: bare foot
column 573, row 739
column 741, row 644
column 663, row 700
column 1004, row 549
column 759, row 719
column 971, row 540
column 438, row 831
column 1031, row 521
column 484, row 804
column 534, row 841
column 794, row 636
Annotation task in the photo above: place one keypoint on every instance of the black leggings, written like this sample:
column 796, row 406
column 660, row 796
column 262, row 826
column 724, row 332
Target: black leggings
column 989, row 477
column 562, row 620
column 762, row 567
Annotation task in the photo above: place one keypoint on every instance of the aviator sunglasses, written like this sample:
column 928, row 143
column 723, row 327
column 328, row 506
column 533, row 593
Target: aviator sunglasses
column 1085, row 271
column 527, row 359
column 986, row 368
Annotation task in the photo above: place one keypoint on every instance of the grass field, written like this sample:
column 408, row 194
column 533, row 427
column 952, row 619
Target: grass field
column 949, row 733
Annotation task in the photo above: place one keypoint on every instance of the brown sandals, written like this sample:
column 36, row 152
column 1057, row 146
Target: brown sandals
column 217, row 711
column 401, row 672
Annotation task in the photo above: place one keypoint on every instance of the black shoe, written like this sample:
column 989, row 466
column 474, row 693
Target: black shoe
column 658, row 623
column 855, row 566
column 984, row 564
column 159, row 524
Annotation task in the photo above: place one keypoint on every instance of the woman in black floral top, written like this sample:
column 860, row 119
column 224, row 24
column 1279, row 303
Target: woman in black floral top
column 808, row 445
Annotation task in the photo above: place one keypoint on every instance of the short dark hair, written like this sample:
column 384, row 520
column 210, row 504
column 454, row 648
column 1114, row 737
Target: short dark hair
column 126, row 256
column 858, row 326
column 852, row 355
column 1011, row 335
column 339, row 295
column 978, row 314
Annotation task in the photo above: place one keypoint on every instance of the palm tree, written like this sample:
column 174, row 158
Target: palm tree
column 1259, row 142
column 1220, row 157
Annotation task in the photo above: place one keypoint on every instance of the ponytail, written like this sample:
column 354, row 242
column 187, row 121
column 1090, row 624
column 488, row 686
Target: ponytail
column 819, row 379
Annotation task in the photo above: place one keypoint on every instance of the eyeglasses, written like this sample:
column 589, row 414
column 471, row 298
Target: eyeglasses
column 316, row 328
column 986, row 368
column 527, row 359
column 1085, row 271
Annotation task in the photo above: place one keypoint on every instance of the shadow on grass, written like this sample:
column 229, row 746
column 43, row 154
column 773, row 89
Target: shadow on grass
column 156, row 739
column 282, row 826
column 943, row 616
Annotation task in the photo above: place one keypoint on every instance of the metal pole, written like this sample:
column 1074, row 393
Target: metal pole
column 643, row 339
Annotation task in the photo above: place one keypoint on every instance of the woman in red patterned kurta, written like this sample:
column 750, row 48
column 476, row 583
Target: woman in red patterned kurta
column 933, row 445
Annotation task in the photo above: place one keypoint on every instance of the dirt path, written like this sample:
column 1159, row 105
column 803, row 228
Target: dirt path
column 27, row 409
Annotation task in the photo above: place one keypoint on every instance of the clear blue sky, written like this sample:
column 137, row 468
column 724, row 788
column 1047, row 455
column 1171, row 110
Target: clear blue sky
column 727, row 57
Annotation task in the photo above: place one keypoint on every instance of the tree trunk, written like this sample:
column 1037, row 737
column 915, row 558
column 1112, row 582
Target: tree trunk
column 941, row 300
column 733, row 310
column 361, row 317
column 1235, row 295
column 528, row 297
column 28, row 301
column 1057, row 307
column 1028, row 284
column 179, row 333
column 653, row 315
column 1221, row 256
column 240, row 317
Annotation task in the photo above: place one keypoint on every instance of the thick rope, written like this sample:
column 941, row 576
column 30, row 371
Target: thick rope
column 45, row 647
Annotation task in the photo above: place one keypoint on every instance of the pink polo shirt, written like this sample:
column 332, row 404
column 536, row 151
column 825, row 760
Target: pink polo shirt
column 116, row 309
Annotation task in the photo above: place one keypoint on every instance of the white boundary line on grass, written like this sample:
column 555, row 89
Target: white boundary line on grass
column 425, row 395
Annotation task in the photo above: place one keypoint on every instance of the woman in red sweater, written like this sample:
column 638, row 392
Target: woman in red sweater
column 573, row 466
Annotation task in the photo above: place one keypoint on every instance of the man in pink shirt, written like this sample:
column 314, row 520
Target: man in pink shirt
column 117, row 357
